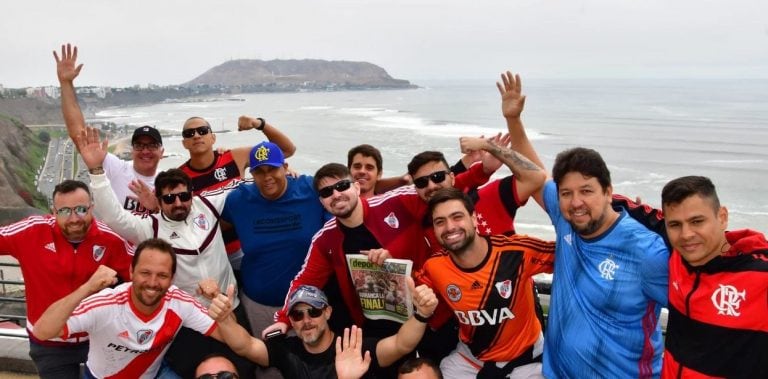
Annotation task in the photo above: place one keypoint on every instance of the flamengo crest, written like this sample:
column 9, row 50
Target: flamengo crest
column 607, row 268
column 727, row 300
column 220, row 174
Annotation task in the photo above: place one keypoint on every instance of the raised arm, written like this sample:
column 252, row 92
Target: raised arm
column 512, row 104
column 528, row 176
column 67, row 70
column 51, row 323
column 232, row 333
column 272, row 133
column 392, row 348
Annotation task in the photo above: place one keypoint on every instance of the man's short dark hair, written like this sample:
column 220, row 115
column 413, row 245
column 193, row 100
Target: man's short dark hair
column 365, row 150
column 171, row 178
column 413, row 364
column 69, row 186
column 425, row 157
column 196, row 118
column 157, row 244
column 446, row 194
column 677, row 190
column 585, row 161
column 330, row 170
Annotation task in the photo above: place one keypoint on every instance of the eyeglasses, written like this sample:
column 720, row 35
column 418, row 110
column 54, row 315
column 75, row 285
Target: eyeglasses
column 436, row 177
column 202, row 130
column 149, row 146
column 80, row 211
column 341, row 186
column 220, row 375
column 170, row 198
column 298, row 314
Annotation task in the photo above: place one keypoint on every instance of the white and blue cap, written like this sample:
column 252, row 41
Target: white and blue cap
column 266, row 153
column 308, row 294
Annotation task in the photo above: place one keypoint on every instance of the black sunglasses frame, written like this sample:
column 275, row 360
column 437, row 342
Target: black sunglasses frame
column 170, row 198
column 341, row 186
column 297, row 315
column 201, row 130
column 436, row 177
column 220, row 375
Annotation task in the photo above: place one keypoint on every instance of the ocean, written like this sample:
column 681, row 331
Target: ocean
column 648, row 131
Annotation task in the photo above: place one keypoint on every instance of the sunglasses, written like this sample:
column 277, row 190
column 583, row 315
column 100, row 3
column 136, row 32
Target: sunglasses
column 189, row 133
column 80, row 211
column 170, row 198
column 341, row 186
column 436, row 177
column 149, row 146
column 220, row 375
column 298, row 314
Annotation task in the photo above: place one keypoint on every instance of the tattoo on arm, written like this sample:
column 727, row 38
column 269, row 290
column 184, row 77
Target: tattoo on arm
column 512, row 158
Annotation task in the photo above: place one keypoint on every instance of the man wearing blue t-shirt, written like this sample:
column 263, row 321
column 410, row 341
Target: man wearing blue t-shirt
column 610, row 278
column 275, row 218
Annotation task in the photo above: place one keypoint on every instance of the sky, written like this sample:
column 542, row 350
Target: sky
column 129, row 42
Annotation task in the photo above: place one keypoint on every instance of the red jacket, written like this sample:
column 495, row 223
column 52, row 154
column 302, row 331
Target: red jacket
column 52, row 267
column 718, row 313
column 393, row 218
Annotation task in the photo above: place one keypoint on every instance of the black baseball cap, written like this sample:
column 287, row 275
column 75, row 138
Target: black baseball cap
column 149, row 131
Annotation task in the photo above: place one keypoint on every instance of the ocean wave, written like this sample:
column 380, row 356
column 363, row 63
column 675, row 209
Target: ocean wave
column 315, row 108
column 735, row 161
column 366, row 112
column 747, row 213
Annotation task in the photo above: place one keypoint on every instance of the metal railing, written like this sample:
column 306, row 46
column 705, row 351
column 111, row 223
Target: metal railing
column 5, row 299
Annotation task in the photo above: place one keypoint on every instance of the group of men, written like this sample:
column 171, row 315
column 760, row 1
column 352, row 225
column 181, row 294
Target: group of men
column 219, row 259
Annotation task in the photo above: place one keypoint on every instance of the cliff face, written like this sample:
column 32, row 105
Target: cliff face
column 32, row 111
column 20, row 152
column 305, row 72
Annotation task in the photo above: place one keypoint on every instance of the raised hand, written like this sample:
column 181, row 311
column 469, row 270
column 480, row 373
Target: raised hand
column 144, row 193
column 102, row 278
column 67, row 68
column 221, row 305
column 91, row 148
column 424, row 298
column 247, row 123
column 351, row 363
column 512, row 100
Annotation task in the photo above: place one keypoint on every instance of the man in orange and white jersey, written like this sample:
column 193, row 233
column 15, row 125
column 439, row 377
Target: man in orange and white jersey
column 486, row 281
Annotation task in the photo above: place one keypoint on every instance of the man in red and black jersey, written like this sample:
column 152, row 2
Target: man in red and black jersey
column 718, row 286
column 210, row 169
column 486, row 281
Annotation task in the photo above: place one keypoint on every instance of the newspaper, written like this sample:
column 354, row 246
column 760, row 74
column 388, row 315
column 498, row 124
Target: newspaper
column 383, row 291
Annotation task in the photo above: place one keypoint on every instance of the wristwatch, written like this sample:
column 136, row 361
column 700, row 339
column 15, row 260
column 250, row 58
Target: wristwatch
column 96, row 170
column 263, row 123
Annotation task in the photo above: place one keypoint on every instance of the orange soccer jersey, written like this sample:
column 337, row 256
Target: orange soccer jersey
column 493, row 302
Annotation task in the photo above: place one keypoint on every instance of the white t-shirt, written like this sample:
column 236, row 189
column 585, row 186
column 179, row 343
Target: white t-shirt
column 120, row 174
column 128, row 344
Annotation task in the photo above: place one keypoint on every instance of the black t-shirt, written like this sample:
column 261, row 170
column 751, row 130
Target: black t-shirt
column 289, row 356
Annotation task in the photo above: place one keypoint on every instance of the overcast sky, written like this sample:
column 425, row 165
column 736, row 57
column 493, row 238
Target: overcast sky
column 126, row 42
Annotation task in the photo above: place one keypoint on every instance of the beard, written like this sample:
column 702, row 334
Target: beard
column 314, row 336
column 344, row 213
column 590, row 228
column 178, row 213
column 75, row 231
column 459, row 247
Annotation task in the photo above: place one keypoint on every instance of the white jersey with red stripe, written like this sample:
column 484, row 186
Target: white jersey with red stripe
column 126, row 343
